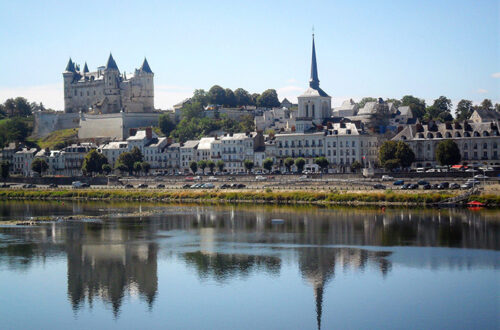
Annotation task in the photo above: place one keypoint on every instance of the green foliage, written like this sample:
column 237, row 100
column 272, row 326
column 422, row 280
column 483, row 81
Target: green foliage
column 211, row 166
column 196, row 128
column 4, row 169
column 137, row 167
column 440, row 110
column 356, row 166
column 230, row 98
column 137, row 154
column 59, row 139
column 322, row 162
column 106, row 168
column 18, row 107
column 268, row 164
column 396, row 153
column 192, row 110
column 200, row 96
column 300, row 163
column 243, row 98
column 216, row 95
column 487, row 104
column 248, row 165
column 202, row 165
column 14, row 130
column 268, row 99
column 39, row 165
column 194, row 167
column 145, row 167
column 126, row 161
column 166, row 124
column 93, row 162
column 417, row 106
column 220, row 165
column 464, row 110
column 448, row 153
column 289, row 163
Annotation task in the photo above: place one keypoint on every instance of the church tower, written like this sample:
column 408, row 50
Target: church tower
column 314, row 105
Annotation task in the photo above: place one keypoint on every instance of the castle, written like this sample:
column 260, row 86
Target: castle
column 106, row 90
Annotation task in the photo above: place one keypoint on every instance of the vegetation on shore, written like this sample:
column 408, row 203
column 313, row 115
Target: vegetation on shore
column 253, row 196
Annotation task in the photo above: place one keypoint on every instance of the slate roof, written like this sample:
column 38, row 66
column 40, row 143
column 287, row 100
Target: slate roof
column 111, row 65
column 145, row 66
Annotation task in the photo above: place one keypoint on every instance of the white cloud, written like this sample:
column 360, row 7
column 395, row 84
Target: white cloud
column 482, row 91
column 495, row 75
column 50, row 95
column 291, row 81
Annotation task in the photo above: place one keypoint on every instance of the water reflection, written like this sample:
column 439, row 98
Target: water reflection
column 119, row 258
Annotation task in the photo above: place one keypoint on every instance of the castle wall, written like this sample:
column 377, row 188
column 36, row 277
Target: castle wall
column 47, row 122
column 114, row 126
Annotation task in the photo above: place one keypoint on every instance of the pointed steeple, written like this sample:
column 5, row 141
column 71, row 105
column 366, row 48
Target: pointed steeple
column 111, row 65
column 71, row 66
column 314, row 80
column 145, row 66
column 85, row 68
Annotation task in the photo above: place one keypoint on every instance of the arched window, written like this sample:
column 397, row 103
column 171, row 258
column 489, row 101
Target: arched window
column 467, row 134
column 439, row 135
column 420, row 135
column 485, row 133
column 307, row 110
column 403, row 137
column 476, row 134
column 457, row 134
column 430, row 136
column 448, row 134
column 313, row 111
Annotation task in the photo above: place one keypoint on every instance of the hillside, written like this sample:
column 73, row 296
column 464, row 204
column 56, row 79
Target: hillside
column 58, row 139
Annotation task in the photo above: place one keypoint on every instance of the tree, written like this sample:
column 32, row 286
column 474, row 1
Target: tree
column 216, row 95
column 268, row 99
column 220, row 165
column 137, row 154
column 448, row 153
column 211, row 166
column 248, row 165
column 166, row 124
column 440, row 109
column 137, row 167
column 4, row 170
column 200, row 96
column 192, row 110
column 243, row 97
column 365, row 100
column 106, row 168
column 268, row 164
column 145, row 167
column 93, row 162
column 300, row 163
column 404, row 154
column 396, row 102
column 255, row 97
column 391, row 164
column 247, row 123
column 417, row 106
column 230, row 99
column 39, row 165
column 322, row 162
column 487, row 104
column 126, row 160
column 202, row 164
column 121, row 167
column 464, row 110
column 193, row 166
column 355, row 166
column 289, row 163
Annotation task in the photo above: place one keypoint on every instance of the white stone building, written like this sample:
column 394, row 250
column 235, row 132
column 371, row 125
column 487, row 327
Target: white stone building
column 74, row 156
column 187, row 151
column 55, row 161
column 113, row 150
column 22, row 161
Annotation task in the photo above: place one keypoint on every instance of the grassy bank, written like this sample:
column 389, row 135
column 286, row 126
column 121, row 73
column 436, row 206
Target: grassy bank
column 251, row 196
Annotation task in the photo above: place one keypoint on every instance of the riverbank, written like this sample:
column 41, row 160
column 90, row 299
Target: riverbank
column 387, row 197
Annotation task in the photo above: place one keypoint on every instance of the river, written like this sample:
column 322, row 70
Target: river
column 144, row 266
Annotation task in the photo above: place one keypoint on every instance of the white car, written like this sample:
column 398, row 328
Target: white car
column 480, row 176
column 387, row 178
column 260, row 178
column 212, row 178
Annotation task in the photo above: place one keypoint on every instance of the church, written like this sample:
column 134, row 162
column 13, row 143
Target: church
column 315, row 105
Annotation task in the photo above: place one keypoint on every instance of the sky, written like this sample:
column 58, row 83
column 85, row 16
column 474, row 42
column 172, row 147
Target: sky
column 364, row 48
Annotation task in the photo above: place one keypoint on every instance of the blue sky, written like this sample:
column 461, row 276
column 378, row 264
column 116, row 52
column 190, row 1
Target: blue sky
column 364, row 48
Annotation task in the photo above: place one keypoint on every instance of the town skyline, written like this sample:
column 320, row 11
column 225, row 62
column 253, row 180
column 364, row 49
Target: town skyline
column 422, row 54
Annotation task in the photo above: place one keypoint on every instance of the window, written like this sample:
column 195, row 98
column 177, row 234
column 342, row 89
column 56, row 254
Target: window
column 307, row 110
column 313, row 110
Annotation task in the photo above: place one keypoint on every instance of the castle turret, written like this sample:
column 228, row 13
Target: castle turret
column 68, row 76
column 145, row 94
column 112, row 85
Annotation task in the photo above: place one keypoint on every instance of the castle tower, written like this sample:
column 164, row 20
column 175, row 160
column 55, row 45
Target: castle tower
column 112, row 80
column 314, row 105
column 68, row 76
column 145, row 94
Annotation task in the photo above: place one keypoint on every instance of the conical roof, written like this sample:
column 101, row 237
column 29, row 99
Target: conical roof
column 145, row 66
column 314, row 80
column 71, row 66
column 85, row 68
column 111, row 65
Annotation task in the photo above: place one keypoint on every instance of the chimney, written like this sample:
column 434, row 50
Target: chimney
column 149, row 133
column 169, row 141
column 132, row 131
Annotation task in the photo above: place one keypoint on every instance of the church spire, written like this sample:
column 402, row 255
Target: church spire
column 314, row 80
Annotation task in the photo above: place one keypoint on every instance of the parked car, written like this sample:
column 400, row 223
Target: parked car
column 29, row 185
column 207, row 185
column 186, row 186
column 5, row 185
column 52, row 185
column 480, row 176
column 398, row 182
column 378, row 186
column 129, row 186
column 435, row 186
column 444, row 185
column 197, row 178
column 77, row 184
column 189, row 178
column 196, row 186
column 422, row 182
column 426, row 186
column 160, row 186
column 406, row 186
column 413, row 186
column 454, row 186
column 387, row 178
column 225, row 186
column 142, row 185
column 303, row 178
column 212, row 178
column 467, row 185
column 260, row 178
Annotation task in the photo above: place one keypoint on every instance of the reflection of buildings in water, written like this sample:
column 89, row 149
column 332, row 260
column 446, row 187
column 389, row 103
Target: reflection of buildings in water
column 222, row 267
column 317, row 266
column 109, row 271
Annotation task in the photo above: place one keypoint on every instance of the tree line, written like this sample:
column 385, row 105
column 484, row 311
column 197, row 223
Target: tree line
column 217, row 95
